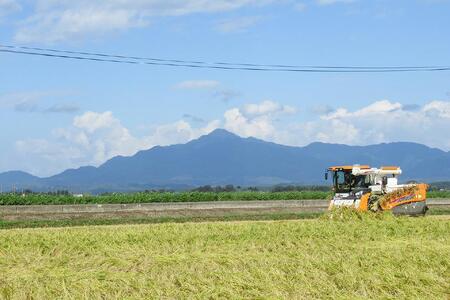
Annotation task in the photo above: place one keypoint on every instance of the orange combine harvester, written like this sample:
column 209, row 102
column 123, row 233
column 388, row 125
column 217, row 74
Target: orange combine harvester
column 373, row 189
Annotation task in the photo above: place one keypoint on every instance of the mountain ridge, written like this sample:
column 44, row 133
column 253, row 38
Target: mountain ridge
column 222, row 157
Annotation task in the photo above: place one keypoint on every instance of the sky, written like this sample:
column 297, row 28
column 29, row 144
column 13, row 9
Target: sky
column 60, row 113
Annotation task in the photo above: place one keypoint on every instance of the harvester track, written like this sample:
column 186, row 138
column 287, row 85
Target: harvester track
column 219, row 208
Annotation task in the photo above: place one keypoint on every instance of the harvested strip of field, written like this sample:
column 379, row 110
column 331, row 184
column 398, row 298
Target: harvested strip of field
column 173, row 210
column 433, row 212
column 355, row 258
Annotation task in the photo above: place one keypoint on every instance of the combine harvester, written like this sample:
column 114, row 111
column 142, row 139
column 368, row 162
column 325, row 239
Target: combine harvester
column 372, row 189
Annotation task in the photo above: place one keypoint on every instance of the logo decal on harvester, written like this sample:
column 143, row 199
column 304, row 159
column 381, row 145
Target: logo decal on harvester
column 404, row 198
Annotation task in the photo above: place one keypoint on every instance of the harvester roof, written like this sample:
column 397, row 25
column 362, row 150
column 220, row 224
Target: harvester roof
column 347, row 168
column 390, row 168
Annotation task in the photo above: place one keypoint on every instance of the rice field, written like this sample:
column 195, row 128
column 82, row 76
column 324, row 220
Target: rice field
column 349, row 255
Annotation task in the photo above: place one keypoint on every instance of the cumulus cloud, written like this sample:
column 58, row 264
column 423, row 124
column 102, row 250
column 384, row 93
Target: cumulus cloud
column 237, row 122
column 96, row 137
column 257, row 119
column 62, row 20
column 333, row 131
column 381, row 121
column 440, row 109
column 386, row 121
column 374, row 109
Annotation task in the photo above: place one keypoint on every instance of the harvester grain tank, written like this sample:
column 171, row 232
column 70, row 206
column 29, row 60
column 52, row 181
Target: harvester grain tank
column 376, row 189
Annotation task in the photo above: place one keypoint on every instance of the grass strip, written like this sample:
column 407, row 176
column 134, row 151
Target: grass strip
column 156, row 220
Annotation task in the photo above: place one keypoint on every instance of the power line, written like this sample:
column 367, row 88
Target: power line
column 102, row 57
column 216, row 63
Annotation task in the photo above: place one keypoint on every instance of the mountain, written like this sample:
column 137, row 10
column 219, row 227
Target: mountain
column 19, row 178
column 224, row 158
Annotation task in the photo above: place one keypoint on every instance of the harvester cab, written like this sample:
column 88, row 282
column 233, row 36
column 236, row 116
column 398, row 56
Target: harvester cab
column 375, row 189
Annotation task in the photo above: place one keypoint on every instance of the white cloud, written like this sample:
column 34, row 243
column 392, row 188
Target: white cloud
column 65, row 20
column 440, row 109
column 197, row 84
column 237, row 122
column 257, row 120
column 385, row 121
column 239, row 24
column 96, row 137
column 381, row 121
column 334, row 131
column 374, row 109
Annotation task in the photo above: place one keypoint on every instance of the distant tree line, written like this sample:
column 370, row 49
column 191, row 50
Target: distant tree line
column 439, row 186
column 300, row 188
column 435, row 186
column 205, row 188
column 31, row 192
column 217, row 189
column 277, row 188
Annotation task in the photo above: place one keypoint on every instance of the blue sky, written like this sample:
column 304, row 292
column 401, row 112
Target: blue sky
column 57, row 113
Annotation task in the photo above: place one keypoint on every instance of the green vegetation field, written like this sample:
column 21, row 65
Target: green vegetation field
column 361, row 257
column 18, row 199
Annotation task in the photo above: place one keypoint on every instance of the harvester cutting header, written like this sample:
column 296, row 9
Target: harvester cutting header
column 376, row 189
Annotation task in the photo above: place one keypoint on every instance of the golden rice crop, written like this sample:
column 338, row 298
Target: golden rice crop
column 387, row 258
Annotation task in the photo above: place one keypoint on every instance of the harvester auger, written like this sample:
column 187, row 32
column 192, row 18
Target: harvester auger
column 372, row 189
